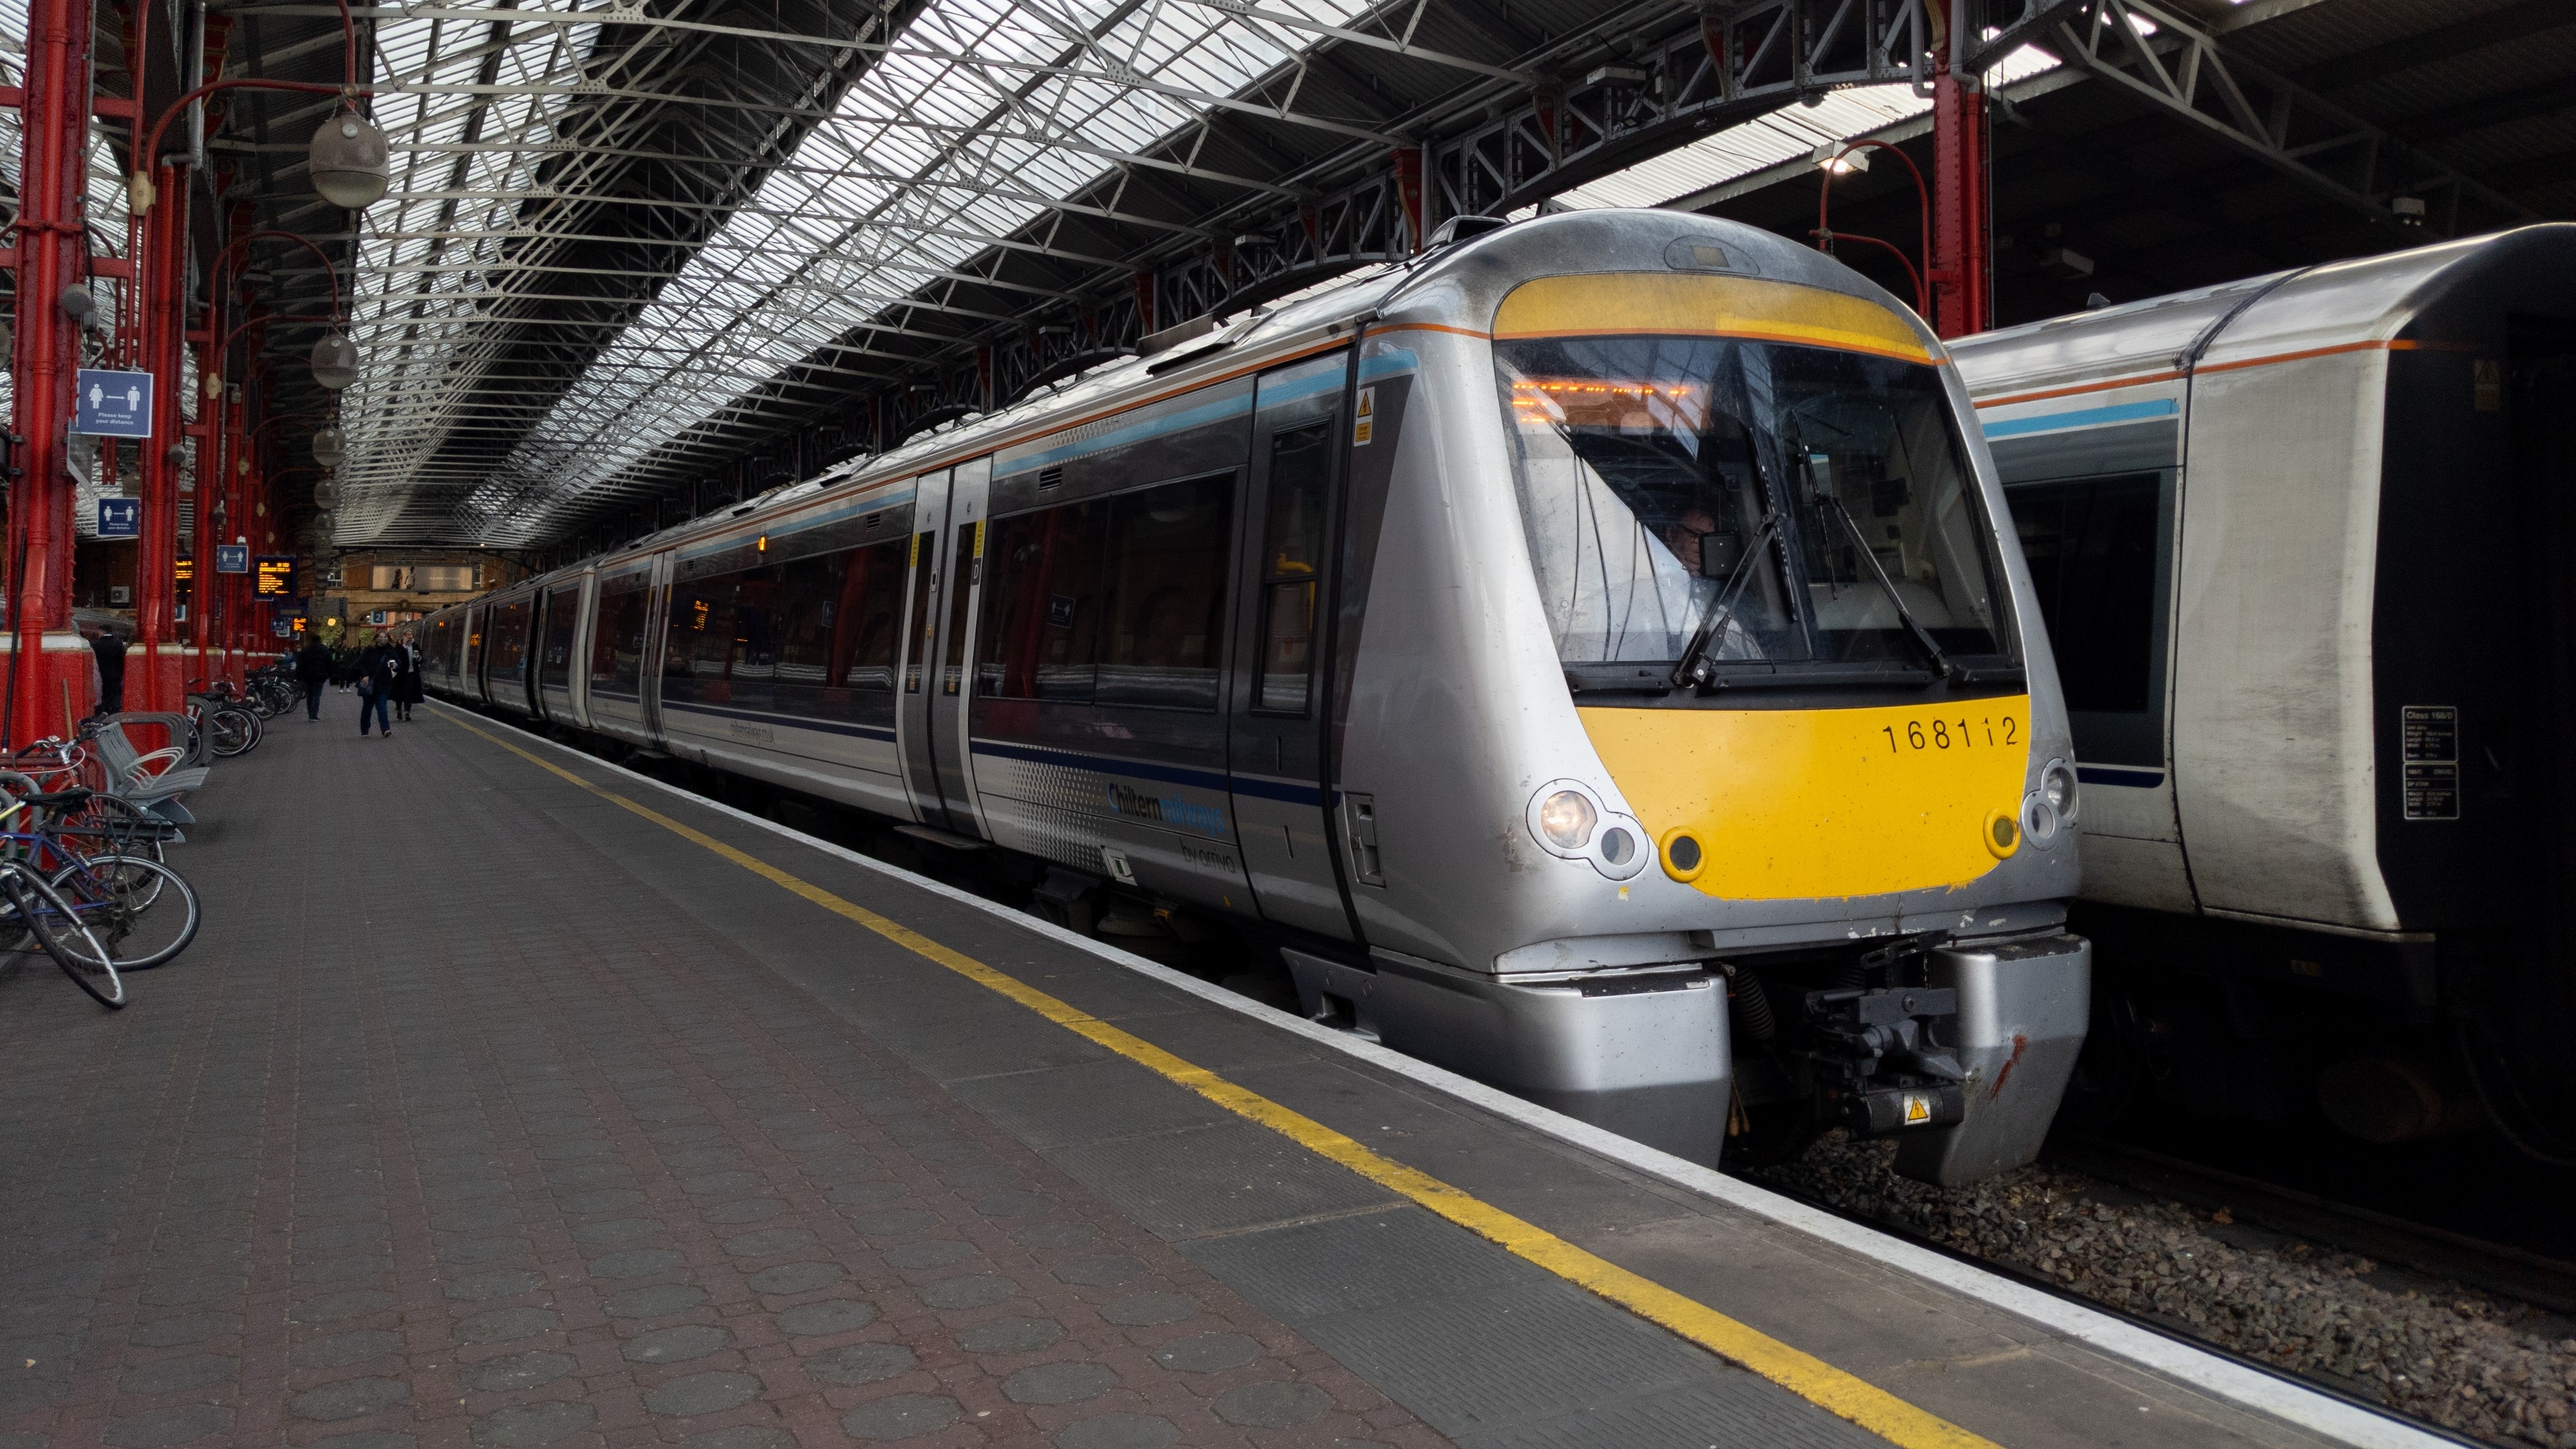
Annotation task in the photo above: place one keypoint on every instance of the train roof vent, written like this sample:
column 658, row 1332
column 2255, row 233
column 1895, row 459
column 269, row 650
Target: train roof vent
column 1176, row 334
column 1460, row 228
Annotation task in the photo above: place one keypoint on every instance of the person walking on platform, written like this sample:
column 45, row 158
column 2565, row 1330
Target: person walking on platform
column 376, row 689
column 110, row 648
column 408, row 689
column 313, row 671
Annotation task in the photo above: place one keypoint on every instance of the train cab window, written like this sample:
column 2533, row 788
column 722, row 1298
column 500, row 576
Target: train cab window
column 1770, row 502
column 1042, row 604
column 2094, row 547
column 617, row 638
column 1165, row 569
column 1292, row 545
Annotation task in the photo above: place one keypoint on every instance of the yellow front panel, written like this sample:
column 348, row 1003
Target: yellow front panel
column 1823, row 803
column 1679, row 304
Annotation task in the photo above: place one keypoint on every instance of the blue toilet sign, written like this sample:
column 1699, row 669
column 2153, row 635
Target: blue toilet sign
column 120, row 518
column 113, row 404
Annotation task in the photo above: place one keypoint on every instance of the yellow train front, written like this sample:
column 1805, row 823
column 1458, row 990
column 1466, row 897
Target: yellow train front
column 1701, row 763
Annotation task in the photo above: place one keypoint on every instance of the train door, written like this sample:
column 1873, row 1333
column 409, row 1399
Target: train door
column 2102, row 552
column 657, row 652
column 953, row 762
column 577, row 672
column 920, row 649
column 1275, row 740
column 471, row 680
column 532, row 656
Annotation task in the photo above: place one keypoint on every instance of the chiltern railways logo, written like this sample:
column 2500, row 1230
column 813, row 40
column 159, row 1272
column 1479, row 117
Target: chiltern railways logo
column 1205, row 818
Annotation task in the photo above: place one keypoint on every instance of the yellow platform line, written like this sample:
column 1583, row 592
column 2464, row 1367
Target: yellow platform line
column 1805, row 1375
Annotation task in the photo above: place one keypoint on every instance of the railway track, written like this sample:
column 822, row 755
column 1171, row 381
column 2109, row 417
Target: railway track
column 2445, row 1332
column 2493, row 1268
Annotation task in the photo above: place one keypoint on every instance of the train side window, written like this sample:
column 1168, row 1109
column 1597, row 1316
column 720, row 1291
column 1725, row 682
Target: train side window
column 1042, row 604
column 758, row 604
column 555, row 668
column 509, row 638
column 2096, row 547
column 961, row 598
column 924, row 564
column 1166, row 566
column 865, row 617
column 617, row 639
column 698, row 638
column 1301, row 462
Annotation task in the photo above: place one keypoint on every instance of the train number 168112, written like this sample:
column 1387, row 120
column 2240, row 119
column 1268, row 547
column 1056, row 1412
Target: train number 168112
column 1967, row 732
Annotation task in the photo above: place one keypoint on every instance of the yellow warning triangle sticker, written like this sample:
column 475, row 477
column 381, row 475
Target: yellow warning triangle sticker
column 1917, row 1110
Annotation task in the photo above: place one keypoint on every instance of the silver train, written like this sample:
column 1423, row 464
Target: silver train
column 2298, row 541
column 1586, row 655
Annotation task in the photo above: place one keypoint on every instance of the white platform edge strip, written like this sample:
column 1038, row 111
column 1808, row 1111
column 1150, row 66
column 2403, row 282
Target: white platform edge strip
column 2212, row 1374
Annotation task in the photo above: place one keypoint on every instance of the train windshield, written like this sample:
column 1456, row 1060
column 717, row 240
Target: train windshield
column 1788, row 498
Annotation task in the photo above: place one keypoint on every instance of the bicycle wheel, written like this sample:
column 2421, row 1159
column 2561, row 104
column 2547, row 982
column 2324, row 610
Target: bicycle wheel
column 51, row 922
column 142, row 911
column 234, row 730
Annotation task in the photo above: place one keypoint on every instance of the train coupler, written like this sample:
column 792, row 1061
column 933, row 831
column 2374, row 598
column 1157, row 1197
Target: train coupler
column 1879, row 1064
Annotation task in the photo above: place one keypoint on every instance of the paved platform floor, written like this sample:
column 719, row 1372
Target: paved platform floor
column 487, row 1113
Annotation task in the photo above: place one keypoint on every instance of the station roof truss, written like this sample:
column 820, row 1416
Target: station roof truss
column 645, row 255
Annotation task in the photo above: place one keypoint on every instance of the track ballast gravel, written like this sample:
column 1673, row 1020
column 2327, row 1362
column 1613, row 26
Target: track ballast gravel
column 2466, row 1361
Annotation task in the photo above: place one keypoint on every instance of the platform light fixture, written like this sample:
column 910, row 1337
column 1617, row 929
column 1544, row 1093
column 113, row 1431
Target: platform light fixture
column 330, row 445
column 1840, row 158
column 348, row 162
column 335, row 360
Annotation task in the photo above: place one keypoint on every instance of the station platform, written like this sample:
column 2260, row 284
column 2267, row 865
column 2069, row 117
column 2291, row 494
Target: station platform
column 510, row 1099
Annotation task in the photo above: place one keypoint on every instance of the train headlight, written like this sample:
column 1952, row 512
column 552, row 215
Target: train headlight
column 2057, row 787
column 1566, row 819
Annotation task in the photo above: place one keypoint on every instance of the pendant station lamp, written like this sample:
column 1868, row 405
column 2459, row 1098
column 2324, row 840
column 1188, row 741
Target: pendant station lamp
column 348, row 162
column 326, row 492
column 335, row 360
column 330, row 445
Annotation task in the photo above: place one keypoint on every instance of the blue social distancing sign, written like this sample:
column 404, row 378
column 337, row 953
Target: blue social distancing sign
column 232, row 558
column 120, row 518
column 113, row 404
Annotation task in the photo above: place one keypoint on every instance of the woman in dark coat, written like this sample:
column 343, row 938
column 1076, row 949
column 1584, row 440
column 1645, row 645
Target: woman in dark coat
column 408, row 690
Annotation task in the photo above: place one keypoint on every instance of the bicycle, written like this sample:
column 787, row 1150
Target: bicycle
column 113, row 894
column 231, row 727
column 120, row 825
column 43, row 916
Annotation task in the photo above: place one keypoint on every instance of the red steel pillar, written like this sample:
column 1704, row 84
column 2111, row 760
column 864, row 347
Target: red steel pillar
column 48, row 663
column 1961, row 224
column 165, row 328
column 199, row 664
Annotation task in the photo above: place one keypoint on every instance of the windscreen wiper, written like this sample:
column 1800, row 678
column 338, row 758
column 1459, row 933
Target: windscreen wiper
column 1932, row 655
column 1693, row 666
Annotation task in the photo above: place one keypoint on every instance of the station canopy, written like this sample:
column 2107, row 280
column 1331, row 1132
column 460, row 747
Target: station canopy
column 644, row 254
